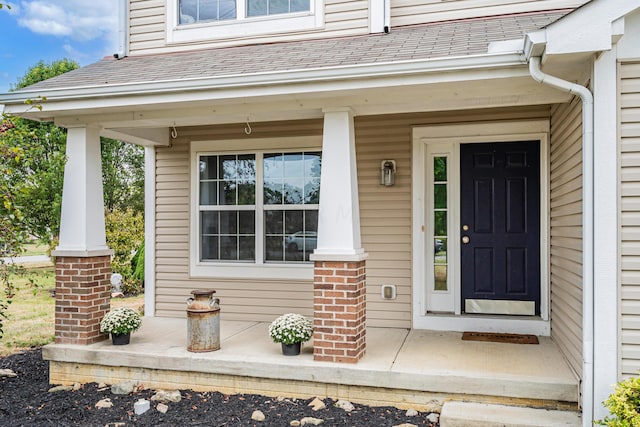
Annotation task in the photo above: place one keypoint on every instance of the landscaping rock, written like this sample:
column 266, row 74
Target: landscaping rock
column 104, row 403
column 77, row 386
column 295, row 423
column 60, row 388
column 167, row 396
column 162, row 408
column 345, row 405
column 411, row 413
column 141, row 406
column 406, row 425
column 123, row 388
column 8, row 373
column 310, row 421
column 257, row 416
column 433, row 417
column 317, row 404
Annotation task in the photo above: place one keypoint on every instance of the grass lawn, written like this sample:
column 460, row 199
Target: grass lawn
column 35, row 248
column 31, row 314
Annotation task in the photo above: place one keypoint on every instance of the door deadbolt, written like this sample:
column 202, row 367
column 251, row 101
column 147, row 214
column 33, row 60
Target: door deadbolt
column 465, row 227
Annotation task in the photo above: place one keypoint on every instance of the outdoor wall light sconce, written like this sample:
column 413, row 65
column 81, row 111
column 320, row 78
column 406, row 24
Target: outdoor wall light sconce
column 387, row 173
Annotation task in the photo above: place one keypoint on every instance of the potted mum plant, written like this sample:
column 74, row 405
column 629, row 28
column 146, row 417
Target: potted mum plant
column 291, row 330
column 120, row 322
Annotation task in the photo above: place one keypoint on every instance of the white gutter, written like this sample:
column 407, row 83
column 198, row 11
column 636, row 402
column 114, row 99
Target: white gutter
column 587, row 229
column 312, row 75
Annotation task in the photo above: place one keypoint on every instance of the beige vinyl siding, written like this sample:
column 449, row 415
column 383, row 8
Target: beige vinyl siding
column 385, row 215
column 566, row 230
column 410, row 12
column 259, row 300
column 630, row 217
column 147, row 27
column 385, row 212
column 146, row 24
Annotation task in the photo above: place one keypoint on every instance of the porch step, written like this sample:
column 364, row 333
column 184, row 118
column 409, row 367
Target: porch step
column 469, row 414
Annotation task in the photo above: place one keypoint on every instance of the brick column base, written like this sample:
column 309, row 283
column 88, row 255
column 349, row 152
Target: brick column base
column 83, row 292
column 339, row 311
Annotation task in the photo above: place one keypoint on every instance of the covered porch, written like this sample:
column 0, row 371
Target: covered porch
column 405, row 368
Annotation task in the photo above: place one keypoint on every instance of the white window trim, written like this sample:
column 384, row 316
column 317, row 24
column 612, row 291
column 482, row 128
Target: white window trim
column 242, row 26
column 245, row 270
column 470, row 133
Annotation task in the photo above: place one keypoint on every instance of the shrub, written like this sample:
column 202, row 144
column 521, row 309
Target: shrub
column 124, row 232
column 624, row 405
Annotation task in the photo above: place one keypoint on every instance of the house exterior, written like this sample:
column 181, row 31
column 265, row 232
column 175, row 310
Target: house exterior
column 455, row 166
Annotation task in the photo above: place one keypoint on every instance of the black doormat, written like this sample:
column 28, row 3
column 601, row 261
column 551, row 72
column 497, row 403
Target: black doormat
column 505, row 338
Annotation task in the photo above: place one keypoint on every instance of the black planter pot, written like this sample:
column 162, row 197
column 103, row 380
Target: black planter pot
column 291, row 349
column 120, row 339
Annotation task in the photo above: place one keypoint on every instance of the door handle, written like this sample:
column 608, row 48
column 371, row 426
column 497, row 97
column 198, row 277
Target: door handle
column 465, row 239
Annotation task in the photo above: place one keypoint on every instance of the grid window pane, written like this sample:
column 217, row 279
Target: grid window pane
column 192, row 11
column 228, row 235
column 273, row 248
column 292, row 239
column 440, row 196
column 440, row 169
column 299, row 5
column 273, row 7
column 291, row 178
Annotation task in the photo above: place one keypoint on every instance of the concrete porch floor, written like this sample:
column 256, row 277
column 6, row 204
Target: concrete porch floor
column 404, row 368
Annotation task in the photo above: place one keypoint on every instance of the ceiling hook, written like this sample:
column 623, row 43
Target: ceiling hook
column 174, row 131
column 247, row 128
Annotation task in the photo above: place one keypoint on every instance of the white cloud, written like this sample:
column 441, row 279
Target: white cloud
column 74, row 19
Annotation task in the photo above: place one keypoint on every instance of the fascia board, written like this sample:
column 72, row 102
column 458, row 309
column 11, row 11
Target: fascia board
column 364, row 74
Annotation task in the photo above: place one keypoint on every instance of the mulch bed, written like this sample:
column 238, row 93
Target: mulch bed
column 25, row 401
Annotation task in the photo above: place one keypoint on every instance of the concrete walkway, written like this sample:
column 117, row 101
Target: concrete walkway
column 396, row 359
column 29, row 259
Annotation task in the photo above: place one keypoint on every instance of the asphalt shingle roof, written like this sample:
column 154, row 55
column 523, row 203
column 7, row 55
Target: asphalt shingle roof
column 442, row 39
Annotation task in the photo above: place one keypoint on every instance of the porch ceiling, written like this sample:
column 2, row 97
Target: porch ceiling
column 396, row 359
column 448, row 91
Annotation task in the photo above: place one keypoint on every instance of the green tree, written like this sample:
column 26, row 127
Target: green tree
column 12, row 234
column 122, row 175
column 45, row 70
column 40, row 175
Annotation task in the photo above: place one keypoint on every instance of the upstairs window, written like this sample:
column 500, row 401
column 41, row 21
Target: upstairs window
column 197, row 11
column 192, row 21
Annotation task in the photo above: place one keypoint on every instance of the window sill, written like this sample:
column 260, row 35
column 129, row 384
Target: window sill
column 252, row 271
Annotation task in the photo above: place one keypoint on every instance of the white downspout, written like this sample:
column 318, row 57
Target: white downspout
column 123, row 22
column 587, row 229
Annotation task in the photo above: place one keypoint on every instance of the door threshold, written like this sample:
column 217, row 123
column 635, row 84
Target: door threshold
column 533, row 325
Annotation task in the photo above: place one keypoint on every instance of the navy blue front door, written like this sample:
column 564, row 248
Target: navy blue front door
column 500, row 222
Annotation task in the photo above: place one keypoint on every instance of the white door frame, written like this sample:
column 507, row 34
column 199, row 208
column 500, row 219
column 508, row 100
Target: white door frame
column 453, row 136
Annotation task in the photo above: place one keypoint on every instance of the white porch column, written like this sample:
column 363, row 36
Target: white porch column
column 339, row 305
column 339, row 213
column 83, row 260
column 605, row 245
column 82, row 218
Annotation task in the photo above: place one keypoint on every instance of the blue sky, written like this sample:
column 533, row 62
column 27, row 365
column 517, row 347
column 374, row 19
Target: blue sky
column 48, row 30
